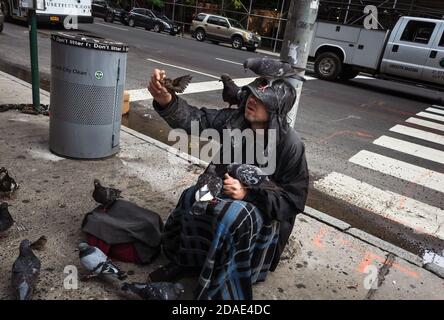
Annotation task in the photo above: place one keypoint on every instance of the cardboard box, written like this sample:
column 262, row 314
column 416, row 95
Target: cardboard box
column 125, row 107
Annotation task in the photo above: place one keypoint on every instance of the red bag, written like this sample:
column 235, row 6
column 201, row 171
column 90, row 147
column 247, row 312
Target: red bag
column 125, row 252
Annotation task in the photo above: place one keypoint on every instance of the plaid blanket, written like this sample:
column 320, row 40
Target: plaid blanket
column 231, row 242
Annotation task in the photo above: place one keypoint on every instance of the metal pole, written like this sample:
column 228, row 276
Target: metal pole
column 174, row 7
column 297, row 42
column 279, row 26
column 346, row 13
column 249, row 12
column 34, row 59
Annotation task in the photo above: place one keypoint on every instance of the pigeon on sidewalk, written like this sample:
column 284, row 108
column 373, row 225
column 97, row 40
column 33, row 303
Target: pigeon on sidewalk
column 155, row 290
column 104, row 195
column 231, row 92
column 6, row 220
column 7, row 184
column 95, row 261
column 25, row 272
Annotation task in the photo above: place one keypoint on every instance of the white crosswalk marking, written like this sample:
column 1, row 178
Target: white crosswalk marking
column 435, row 110
column 411, row 148
column 414, row 214
column 419, row 134
column 399, row 169
column 425, row 123
column 437, row 106
column 430, row 116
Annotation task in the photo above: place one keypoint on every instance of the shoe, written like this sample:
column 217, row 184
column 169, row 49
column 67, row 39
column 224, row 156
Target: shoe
column 167, row 273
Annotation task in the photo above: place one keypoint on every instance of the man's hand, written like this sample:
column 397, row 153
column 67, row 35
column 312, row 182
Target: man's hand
column 233, row 188
column 157, row 90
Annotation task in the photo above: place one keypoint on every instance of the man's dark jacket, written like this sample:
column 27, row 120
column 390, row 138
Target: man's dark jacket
column 282, row 198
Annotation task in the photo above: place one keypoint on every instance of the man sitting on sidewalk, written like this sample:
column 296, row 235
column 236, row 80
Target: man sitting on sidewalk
column 238, row 240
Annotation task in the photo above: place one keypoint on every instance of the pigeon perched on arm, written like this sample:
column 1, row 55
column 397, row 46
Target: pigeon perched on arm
column 95, row 261
column 249, row 175
column 6, row 220
column 104, row 195
column 272, row 68
column 7, row 184
column 231, row 92
column 155, row 290
column 25, row 272
column 176, row 85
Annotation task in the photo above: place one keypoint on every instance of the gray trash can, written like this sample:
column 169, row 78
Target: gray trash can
column 87, row 83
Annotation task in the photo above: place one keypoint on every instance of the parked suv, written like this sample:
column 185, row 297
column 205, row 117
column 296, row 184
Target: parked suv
column 152, row 20
column 223, row 29
column 109, row 11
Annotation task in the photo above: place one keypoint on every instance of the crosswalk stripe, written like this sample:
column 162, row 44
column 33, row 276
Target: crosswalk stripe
column 438, row 106
column 435, row 110
column 420, row 134
column 430, row 116
column 412, row 213
column 399, row 169
column 411, row 148
column 197, row 87
column 425, row 123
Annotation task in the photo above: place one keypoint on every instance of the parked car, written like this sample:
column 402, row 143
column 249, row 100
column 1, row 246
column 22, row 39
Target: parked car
column 109, row 11
column 151, row 20
column 222, row 29
column 2, row 19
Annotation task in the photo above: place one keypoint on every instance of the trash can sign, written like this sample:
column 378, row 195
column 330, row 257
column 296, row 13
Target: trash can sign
column 98, row 74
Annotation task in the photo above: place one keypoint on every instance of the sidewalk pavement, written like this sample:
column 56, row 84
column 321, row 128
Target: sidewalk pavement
column 325, row 258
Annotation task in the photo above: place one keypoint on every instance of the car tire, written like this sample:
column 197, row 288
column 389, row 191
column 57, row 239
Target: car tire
column 109, row 18
column 131, row 23
column 237, row 43
column 328, row 66
column 251, row 49
column 1, row 27
column 348, row 73
column 157, row 28
column 200, row 35
column 6, row 12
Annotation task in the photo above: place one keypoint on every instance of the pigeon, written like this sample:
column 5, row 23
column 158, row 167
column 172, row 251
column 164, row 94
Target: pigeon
column 155, row 290
column 272, row 68
column 7, row 184
column 176, row 85
column 95, row 261
column 105, row 195
column 209, row 185
column 25, row 272
column 231, row 92
column 39, row 244
column 6, row 220
column 249, row 175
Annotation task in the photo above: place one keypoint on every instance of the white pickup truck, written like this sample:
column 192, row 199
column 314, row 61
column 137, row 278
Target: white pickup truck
column 413, row 51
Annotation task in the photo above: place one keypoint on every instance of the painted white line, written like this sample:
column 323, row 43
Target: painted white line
column 435, row 110
column 425, row 123
column 183, row 68
column 430, row 116
column 438, row 106
column 419, row 134
column 414, row 214
column 399, row 169
column 364, row 77
column 105, row 25
column 229, row 61
column 205, row 86
column 411, row 148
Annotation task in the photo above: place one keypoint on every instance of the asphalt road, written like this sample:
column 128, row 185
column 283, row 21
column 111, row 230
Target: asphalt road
column 359, row 173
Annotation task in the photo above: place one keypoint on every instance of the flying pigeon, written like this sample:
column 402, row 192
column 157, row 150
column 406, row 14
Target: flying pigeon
column 231, row 92
column 249, row 175
column 7, row 184
column 272, row 68
column 94, row 260
column 105, row 195
column 25, row 272
column 176, row 85
column 39, row 244
column 6, row 220
column 155, row 290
